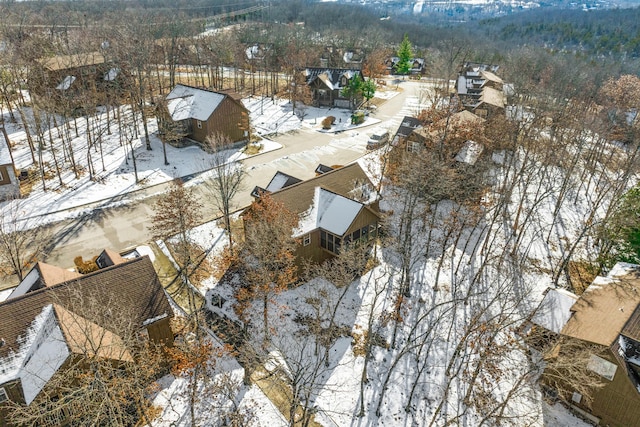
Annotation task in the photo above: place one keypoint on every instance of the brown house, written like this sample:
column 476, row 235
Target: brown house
column 481, row 90
column 459, row 127
column 198, row 113
column 416, row 65
column 326, row 85
column 65, row 81
column 44, row 324
column 335, row 208
column 606, row 316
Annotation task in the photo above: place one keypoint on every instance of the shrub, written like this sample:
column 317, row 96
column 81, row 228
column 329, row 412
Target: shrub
column 357, row 117
column 84, row 267
column 327, row 122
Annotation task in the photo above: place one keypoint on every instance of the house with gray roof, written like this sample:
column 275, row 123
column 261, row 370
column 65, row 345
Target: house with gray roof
column 195, row 113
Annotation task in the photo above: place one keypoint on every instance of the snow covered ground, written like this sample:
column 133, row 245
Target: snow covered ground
column 446, row 272
column 114, row 180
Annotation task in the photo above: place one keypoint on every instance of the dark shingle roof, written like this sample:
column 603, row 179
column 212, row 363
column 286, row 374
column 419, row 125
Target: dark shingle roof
column 333, row 74
column 632, row 327
column 342, row 181
column 131, row 287
column 408, row 125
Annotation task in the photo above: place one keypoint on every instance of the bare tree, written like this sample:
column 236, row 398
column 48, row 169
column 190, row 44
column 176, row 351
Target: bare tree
column 267, row 256
column 22, row 243
column 226, row 181
column 176, row 213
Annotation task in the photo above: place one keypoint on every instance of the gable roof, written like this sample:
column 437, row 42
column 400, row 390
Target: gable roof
column 186, row 102
column 52, row 275
column 605, row 308
column 343, row 181
column 554, row 311
column 42, row 275
column 323, row 169
column 108, row 258
column 85, row 337
column 489, row 76
column 470, row 152
column 493, row 97
column 408, row 125
column 463, row 117
column 330, row 76
column 132, row 286
column 329, row 211
column 477, row 66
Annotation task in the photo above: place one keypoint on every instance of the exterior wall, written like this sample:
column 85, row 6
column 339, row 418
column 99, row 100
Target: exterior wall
column 331, row 98
column 14, row 393
column 617, row 403
column 365, row 217
column 160, row 332
column 318, row 99
column 314, row 252
column 9, row 185
column 228, row 119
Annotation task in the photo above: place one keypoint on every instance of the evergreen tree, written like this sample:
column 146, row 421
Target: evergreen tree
column 405, row 55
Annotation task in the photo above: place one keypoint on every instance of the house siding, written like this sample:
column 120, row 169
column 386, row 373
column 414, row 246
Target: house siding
column 15, row 394
column 365, row 217
column 314, row 252
column 228, row 118
column 617, row 403
column 160, row 332
column 231, row 119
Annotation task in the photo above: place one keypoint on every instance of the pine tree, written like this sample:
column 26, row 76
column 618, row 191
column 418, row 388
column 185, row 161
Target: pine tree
column 405, row 54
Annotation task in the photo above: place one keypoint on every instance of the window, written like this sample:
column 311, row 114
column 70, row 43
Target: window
column 602, row 367
column 306, row 240
column 413, row 146
column 330, row 242
column 199, row 123
column 3, row 395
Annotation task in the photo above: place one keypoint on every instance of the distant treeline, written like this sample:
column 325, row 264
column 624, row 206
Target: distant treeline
column 613, row 32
